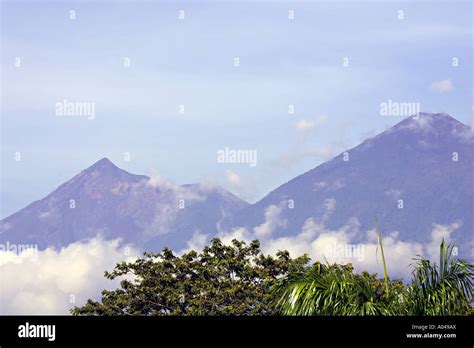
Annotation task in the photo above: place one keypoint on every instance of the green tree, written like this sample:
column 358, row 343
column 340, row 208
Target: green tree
column 444, row 289
column 238, row 279
column 335, row 290
column 221, row 280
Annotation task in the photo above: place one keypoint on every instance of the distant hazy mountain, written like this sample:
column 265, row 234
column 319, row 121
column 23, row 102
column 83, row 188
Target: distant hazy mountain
column 424, row 162
column 106, row 200
column 413, row 175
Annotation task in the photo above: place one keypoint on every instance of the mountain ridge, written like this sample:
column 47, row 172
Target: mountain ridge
column 412, row 161
column 405, row 162
column 105, row 199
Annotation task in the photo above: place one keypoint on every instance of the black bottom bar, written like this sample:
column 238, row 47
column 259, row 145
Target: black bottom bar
column 225, row 331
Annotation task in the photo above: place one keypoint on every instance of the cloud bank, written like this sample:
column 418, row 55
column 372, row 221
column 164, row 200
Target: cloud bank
column 346, row 244
column 442, row 86
column 53, row 281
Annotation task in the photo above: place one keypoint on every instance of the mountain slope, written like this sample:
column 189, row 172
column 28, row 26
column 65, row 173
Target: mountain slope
column 106, row 200
column 410, row 164
column 412, row 176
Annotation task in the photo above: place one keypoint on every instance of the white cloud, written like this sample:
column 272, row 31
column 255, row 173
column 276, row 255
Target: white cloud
column 273, row 221
column 320, row 185
column 439, row 233
column 315, row 240
column 323, row 244
column 242, row 185
column 197, row 242
column 328, row 186
column 167, row 186
column 346, row 244
column 442, row 86
column 339, row 246
column 173, row 198
column 287, row 160
column 307, row 124
column 239, row 233
column 329, row 206
column 398, row 255
column 233, row 178
column 45, row 283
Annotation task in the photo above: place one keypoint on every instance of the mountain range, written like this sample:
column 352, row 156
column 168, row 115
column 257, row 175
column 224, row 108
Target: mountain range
column 104, row 199
column 410, row 177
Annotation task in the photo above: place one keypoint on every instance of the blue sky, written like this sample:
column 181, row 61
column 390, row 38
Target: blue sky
column 190, row 62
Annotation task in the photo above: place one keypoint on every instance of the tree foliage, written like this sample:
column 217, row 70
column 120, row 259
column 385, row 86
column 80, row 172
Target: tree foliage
column 238, row 279
column 221, row 280
column 444, row 289
column 335, row 290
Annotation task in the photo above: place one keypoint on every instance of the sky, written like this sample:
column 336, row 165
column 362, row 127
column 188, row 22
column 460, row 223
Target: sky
column 139, row 63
